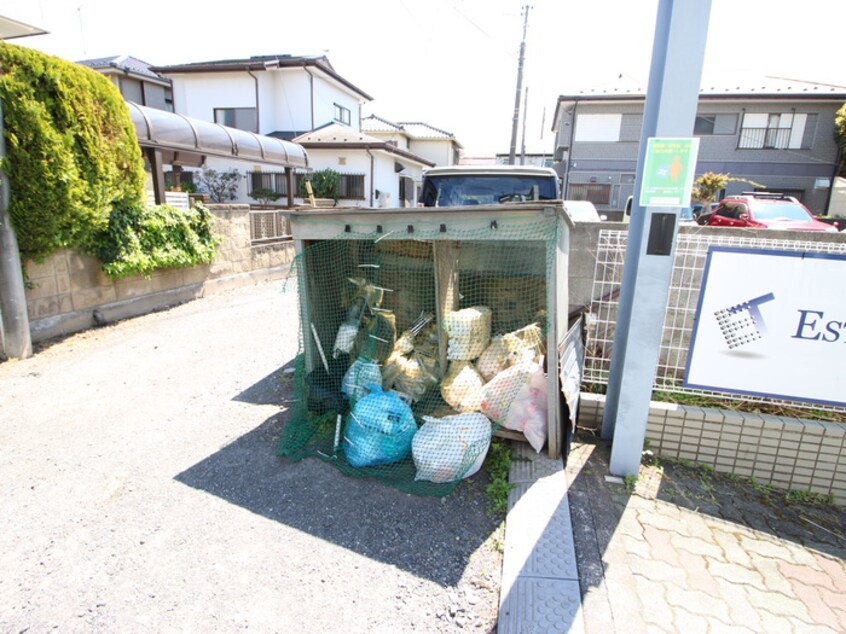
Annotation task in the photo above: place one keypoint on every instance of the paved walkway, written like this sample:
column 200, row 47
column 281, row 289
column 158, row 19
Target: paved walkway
column 690, row 551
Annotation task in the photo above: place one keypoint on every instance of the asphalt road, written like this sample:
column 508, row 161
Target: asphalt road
column 140, row 491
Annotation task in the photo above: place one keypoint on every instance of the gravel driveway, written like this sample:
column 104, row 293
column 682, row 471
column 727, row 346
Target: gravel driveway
column 141, row 492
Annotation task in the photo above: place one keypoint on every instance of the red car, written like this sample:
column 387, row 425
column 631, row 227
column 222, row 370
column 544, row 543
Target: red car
column 770, row 211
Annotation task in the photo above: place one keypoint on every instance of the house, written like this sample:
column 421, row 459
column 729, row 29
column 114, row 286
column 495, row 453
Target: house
column 374, row 171
column 135, row 80
column 280, row 96
column 438, row 146
column 777, row 133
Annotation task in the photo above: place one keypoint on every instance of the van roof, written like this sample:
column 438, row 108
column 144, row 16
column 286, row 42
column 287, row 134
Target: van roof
column 492, row 170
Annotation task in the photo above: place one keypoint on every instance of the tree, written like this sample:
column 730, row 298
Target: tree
column 222, row 186
column 265, row 196
column 707, row 186
column 324, row 183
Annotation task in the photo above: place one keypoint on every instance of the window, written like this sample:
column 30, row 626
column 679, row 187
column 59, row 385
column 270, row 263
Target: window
column 783, row 130
column 352, row 186
column 342, row 115
column 598, row 128
column 597, row 193
column 708, row 124
column 274, row 181
column 241, row 118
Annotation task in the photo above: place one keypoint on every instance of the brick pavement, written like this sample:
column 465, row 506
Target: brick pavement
column 691, row 551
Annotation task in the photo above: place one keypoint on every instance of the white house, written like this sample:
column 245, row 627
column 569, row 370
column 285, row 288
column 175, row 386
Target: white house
column 433, row 144
column 374, row 171
column 281, row 96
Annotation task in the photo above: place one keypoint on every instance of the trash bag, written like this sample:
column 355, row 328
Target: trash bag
column 493, row 360
column 450, row 448
column 469, row 332
column 528, row 411
column 462, row 386
column 361, row 377
column 500, row 392
column 379, row 430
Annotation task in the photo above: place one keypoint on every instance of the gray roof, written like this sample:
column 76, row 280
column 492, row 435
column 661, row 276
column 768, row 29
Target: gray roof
column 262, row 62
column 413, row 129
column 725, row 86
column 121, row 62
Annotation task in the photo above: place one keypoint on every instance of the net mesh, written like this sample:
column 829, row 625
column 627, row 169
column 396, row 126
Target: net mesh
column 416, row 347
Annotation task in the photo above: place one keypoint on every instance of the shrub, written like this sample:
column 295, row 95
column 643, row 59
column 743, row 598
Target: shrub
column 265, row 196
column 324, row 184
column 72, row 151
column 141, row 240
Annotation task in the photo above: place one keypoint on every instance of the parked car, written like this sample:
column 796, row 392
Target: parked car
column 487, row 185
column 583, row 211
column 764, row 210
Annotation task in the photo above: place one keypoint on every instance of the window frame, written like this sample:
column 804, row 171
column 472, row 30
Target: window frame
column 342, row 114
column 236, row 109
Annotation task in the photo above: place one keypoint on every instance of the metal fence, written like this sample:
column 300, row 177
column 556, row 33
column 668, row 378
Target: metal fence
column 691, row 253
column 269, row 226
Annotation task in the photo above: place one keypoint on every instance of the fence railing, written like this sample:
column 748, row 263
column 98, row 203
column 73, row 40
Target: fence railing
column 269, row 226
column 688, row 266
column 764, row 138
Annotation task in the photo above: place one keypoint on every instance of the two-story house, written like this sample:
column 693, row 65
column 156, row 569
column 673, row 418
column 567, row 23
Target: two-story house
column 776, row 133
column 305, row 100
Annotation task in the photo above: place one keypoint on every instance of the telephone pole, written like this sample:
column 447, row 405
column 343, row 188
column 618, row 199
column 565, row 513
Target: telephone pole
column 515, row 122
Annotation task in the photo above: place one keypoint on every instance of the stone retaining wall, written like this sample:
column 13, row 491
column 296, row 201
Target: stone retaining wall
column 67, row 288
column 788, row 453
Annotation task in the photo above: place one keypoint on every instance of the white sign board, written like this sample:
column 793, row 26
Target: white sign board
column 771, row 323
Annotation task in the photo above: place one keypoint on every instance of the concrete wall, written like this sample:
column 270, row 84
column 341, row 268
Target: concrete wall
column 67, row 288
column 788, row 453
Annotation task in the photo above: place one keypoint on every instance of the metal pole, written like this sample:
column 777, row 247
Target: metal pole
column 15, row 319
column 516, row 120
column 523, row 139
column 670, row 110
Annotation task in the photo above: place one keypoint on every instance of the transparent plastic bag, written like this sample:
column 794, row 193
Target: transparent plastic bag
column 379, row 430
column 462, row 386
column 447, row 449
column 469, row 332
column 500, row 392
column 529, row 410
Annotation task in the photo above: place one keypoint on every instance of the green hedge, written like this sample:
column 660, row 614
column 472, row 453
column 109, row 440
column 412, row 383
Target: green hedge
column 72, row 151
column 76, row 172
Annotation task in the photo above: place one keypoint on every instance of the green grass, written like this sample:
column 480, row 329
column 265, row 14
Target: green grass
column 498, row 464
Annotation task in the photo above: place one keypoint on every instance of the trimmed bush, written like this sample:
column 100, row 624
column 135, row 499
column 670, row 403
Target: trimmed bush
column 72, row 151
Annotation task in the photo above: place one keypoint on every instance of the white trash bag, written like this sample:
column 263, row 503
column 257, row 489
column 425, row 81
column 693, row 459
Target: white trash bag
column 447, row 449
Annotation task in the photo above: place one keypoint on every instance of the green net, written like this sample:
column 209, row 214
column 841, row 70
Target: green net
column 416, row 347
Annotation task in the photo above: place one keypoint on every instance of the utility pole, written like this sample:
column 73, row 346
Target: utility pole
column 523, row 141
column 17, row 341
column 670, row 110
column 515, row 122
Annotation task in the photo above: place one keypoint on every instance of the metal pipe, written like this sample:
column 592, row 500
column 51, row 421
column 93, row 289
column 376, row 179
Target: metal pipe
column 370, row 154
column 255, row 79
column 311, row 94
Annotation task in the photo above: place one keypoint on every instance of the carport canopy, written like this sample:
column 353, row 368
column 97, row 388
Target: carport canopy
column 174, row 139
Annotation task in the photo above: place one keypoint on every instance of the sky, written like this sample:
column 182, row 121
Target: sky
column 449, row 63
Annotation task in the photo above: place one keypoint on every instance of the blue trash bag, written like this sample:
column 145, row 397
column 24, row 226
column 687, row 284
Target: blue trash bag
column 379, row 430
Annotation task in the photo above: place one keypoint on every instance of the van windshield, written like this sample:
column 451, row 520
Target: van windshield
column 485, row 189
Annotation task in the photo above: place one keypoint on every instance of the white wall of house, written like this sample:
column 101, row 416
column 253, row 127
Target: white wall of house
column 284, row 97
column 441, row 153
column 383, row 176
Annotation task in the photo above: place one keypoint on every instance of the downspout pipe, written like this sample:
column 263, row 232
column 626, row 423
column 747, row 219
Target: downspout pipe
column 370, row 154
column 258, row 120
column 310, row 94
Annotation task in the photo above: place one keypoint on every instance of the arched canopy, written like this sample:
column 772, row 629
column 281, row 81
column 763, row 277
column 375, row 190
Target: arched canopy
column 186, row 141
